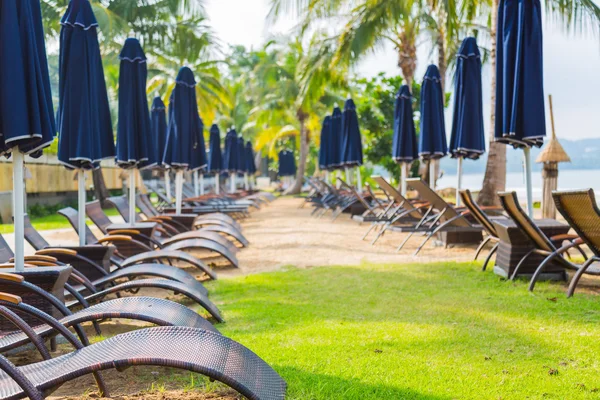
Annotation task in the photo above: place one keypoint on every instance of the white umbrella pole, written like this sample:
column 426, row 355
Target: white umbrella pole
column 327, row 177
column 178, row 191
column 338, row 184
column 81, row 202
column 358, row 180
column 528, row 183
column 217, row 183
column 196, row 188
column 348, row 177
column 232, row 182
column 403, row 177
column 459, row 182
column 246, row 181
column 19, row 210
column 132, row 197
column 168, row 185
column 201, row 184
column 432, row 174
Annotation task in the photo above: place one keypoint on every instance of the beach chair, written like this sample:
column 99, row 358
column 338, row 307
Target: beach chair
column 552, row 248
column 487, row 224
column 127, row 245
column 156, row 311
column 222, row 234
column 191, row 349
column 37, row 241
column 452, row 225
column 407, row 217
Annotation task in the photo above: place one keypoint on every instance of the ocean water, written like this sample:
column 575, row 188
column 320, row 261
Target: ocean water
column 567, row 180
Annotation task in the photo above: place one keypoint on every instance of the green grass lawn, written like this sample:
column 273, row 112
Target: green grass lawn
column 440, row 331
column 50, row 222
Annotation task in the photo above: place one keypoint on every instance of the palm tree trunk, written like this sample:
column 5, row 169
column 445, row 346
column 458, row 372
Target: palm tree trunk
column 495, row 173
column 407, row 57
column 297, row 187
column 100, row 186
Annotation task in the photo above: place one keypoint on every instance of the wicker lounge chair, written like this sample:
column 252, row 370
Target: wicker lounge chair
column 146, row 309
column 219, row 234
column 128, row 246
column 191, row 349
column 408, row 217
column 486, row 223
column 551, row 248
column 447, row 220
column 580, row 210
column 140, row 265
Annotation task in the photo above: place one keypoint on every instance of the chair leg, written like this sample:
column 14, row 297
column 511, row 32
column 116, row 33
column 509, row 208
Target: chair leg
column 429, row 236
column 404, row 242
column 489, row 257
column 540, row 269
column 380, row 234
column 481, row 246
column 373, row 225
column 577, row 277
column 520, row 264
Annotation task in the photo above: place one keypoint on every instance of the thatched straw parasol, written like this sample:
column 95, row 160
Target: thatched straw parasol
column 552, row 154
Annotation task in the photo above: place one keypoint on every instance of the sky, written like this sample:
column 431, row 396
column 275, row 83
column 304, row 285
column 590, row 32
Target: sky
column 571, row 63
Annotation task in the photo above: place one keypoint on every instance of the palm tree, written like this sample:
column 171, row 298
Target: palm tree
column 373, row 21
column 297, row 87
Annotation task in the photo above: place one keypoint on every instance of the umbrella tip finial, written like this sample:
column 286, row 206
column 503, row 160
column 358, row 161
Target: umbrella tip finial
column 132, row 33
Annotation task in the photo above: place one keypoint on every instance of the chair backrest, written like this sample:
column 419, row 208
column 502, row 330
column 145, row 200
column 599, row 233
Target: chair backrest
column 6, row 252
column 357, row 195
column 478, row 213
column 141, row 203
column 510, row 203
column 122, row 205
column 581, row 212
column 33, row 237
column 430, row 196
column 95, row 212
column 72, row 215
column 398, row 197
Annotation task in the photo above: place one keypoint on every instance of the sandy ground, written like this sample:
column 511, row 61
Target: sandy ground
column 283, row 234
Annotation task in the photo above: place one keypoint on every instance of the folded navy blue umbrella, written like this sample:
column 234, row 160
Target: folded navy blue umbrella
column 158, row 120
column 84, row 120
column 134, row 135
column 432, row 143
column 26, row 111
column 352, row 154
column 230, row 157
column 250, row 165
column 468, row 137
column 325, row 148
column 287, row 163
column 336, row 139
column 520, row 109
column 404, row 145
column 185, row 141
column 215, row 159
column 241, row 146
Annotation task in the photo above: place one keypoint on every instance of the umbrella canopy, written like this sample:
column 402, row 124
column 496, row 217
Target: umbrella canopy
column 250, row 165
column 287, row 163
column 230, row 158
column 468, row 138
column 404, row 147
column 185, row 142
column 215, row 161
column 26, row 112
column 336, row 138
column 352, row 154
column 158, row 123
column 325, row 148
column 520, row 108
column 432, row 143
column 84, row 120
column 134, row 129
column 241, row 146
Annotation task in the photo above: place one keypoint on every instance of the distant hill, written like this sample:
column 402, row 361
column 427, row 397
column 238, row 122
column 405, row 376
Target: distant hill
column 584, row 153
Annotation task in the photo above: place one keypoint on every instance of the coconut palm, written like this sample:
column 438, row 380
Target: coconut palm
column 297, row 86
column 372, row 22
